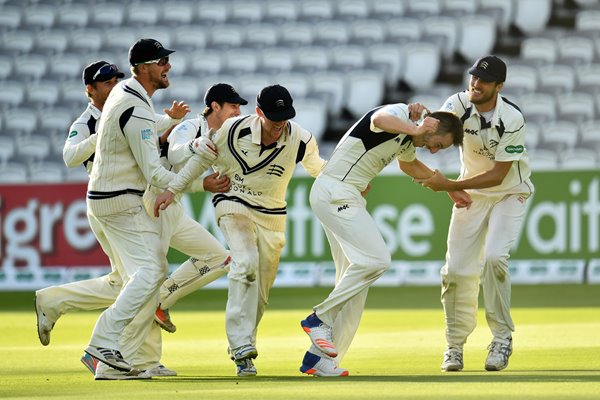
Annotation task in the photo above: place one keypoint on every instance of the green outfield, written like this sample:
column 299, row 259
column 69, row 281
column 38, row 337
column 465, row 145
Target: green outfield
column 396, row 353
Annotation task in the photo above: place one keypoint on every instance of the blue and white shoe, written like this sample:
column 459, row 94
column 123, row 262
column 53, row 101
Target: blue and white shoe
column 312, row 364
column 320, row 334
column 245, row 367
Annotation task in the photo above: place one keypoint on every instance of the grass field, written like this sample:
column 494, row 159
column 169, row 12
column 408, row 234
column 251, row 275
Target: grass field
column 396, row 353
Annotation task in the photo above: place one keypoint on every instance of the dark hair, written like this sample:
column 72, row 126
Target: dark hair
column 449, row 124
column 208, row 109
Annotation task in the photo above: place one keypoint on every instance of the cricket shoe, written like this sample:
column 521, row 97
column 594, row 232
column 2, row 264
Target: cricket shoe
column 44, row 325
column 312, row 364
column 163, row 319
column 90, row 362
column 499, row 352
column 320, row 334
column 160, row 370
column 111, row 374
column 453, row 360
column 245, row 367
column 110, row 357
column 243, row 352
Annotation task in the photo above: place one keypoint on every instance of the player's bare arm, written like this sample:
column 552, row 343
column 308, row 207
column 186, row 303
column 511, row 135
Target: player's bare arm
column 415, row 169
column 493, row 177
column 390, row 123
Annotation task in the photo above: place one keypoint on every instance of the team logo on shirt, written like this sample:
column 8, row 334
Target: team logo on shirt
column 73, row 133
column 146, row 133
column 275, row 169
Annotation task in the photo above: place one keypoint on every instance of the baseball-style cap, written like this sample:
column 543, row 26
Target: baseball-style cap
column 145, row 50
column 223, row 93
column 100, row 71
column 276, row 103
column 490, row 69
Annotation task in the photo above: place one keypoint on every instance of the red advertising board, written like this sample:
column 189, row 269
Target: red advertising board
column 47, row 225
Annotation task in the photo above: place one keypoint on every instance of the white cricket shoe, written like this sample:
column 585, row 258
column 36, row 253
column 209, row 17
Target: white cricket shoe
column 312, row 364
column 320, row 334
column 44, row 325
column 245, row 367
column 243, row 352
column 499, row 352
column 160, row 370
column 110, row 357
column 111, row 374
column 453, row 360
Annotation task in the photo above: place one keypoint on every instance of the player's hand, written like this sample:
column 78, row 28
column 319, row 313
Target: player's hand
column 178, row 110
column 216, row 184
column 461, row 199
column 204, row 147
column 429, row 125
column 163, row 201
column 437, row 182
column 416, row 111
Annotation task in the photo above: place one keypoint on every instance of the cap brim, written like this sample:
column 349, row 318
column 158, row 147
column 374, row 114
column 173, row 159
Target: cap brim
column 236, row 100
column 280, row 115
column 481, row 74
column 106, row 77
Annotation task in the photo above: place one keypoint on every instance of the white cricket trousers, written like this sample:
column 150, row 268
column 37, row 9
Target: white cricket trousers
column 359, row 253
column 134, row 239
column 479, row 242
column 255, row 251
column 142, row 341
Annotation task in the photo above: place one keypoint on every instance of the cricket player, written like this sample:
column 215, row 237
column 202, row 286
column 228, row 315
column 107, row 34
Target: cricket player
column 495, row 172
column 259, row 153
column 125, row 162
column 222, row 102
column 359, row 252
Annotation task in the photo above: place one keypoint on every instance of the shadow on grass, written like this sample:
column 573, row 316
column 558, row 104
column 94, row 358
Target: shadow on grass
column 541, row 376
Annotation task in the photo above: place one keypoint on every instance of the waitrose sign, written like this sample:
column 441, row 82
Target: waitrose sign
column 562, row 221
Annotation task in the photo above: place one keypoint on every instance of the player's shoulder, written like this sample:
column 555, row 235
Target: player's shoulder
column 300, row 133
column 510, row 110
column 457, row 103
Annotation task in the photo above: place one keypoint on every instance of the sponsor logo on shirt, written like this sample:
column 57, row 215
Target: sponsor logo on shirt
column 514, row 149
column 146, row 133
column 471, row 131
column 493, row 143
column 73, row 133
column 344, row 207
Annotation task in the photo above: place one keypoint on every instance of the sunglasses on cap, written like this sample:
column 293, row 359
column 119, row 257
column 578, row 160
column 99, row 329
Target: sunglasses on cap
column 107, row 69
column 160, row 62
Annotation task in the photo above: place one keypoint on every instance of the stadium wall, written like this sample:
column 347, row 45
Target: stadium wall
column 45, row 237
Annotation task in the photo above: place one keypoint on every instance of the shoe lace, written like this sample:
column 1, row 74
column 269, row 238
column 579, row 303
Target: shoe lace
column 499, row 348
column 453, row 356
column 327, row 332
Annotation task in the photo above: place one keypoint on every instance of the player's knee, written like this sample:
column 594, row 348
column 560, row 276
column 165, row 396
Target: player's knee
column 497, row 264
column 244, row 267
